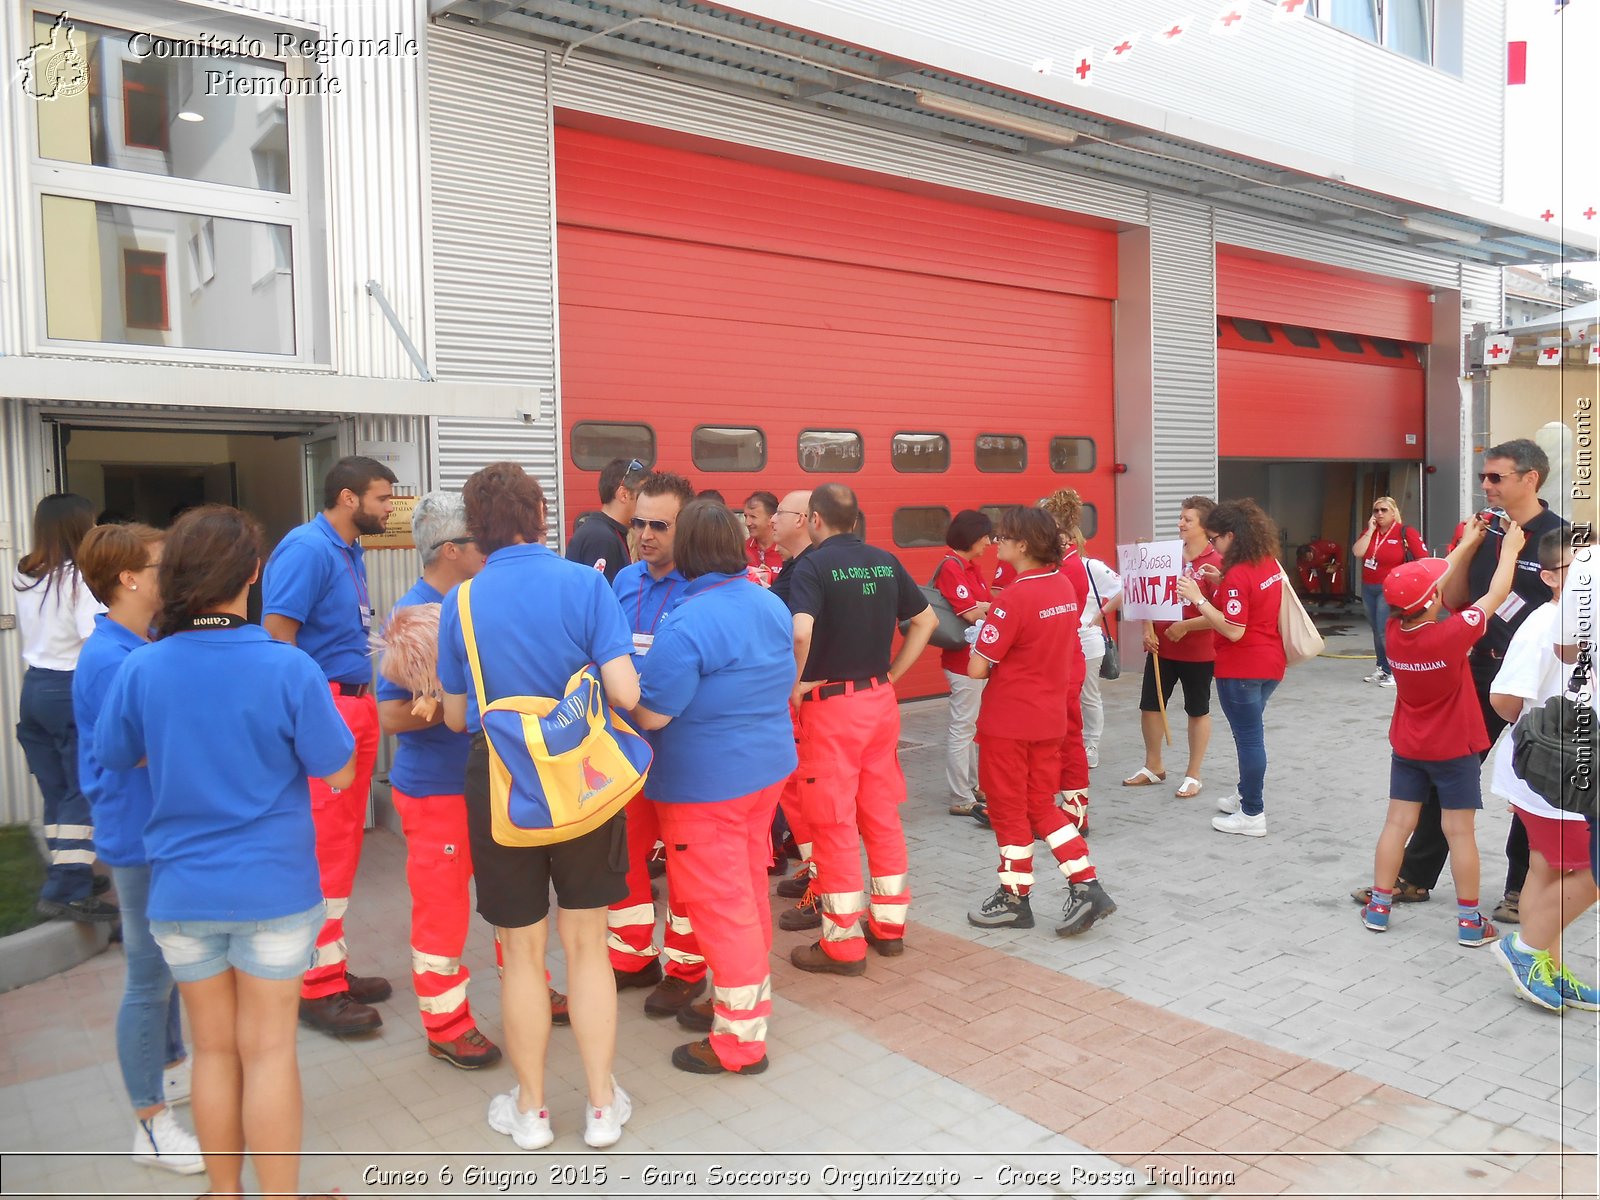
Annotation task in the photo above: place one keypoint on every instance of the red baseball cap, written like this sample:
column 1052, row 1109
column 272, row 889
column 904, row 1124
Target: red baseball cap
column 1409, row 585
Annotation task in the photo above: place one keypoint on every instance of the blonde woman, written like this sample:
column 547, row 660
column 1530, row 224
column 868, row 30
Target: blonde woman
column 1386, row 543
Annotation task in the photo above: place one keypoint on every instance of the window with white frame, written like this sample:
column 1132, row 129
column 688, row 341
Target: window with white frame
column 175, row 197
column 1428, row 31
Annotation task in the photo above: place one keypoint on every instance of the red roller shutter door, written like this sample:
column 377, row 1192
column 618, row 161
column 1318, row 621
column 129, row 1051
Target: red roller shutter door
column 1278, row 400
column 700, row 290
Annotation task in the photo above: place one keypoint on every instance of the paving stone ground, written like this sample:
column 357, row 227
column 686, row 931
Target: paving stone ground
column 1232, row 1030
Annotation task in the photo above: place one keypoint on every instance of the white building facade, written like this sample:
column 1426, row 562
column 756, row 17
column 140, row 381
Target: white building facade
column 963, row 253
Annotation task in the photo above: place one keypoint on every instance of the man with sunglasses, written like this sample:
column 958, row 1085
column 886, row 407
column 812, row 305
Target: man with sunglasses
column 648, row 590
column 428, row 782
column 600, row 539
column 1511, row 477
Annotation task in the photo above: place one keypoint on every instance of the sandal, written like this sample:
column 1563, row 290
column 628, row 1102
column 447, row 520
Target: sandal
column 1189, row 789
column 963, row 810
column 1145, row 777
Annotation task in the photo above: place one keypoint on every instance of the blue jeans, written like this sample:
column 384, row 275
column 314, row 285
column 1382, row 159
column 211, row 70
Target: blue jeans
column 1243, row 703
column 1378, row 618
column 49, row 737
column 149, row 1028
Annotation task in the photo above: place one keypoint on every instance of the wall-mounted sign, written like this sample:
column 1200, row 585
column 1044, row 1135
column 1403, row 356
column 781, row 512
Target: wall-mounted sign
column 396, row 534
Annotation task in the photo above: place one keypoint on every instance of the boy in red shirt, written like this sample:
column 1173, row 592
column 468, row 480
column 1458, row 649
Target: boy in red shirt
column 1437, row 731
column 1026, row 649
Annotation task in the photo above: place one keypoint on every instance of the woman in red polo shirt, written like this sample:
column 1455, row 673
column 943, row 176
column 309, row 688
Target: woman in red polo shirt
column 1030, row 653
column 1072, row 788
column 964, row 588
column 1250, row 658
column 1386, row 544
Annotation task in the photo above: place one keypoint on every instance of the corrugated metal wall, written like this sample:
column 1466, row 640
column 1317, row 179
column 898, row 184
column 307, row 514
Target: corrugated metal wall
column 667, row 103
column 1184, row 333
column 12, row 257
column 493, row 229
column 1371, row 107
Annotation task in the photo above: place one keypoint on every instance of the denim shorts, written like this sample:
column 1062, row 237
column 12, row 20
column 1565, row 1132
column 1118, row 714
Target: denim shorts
column 279, row 948
column 1456, row 780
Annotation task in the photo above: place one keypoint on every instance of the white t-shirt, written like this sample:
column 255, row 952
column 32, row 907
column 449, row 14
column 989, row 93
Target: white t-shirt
column 1089, row 629
column 1580, row 600
column 1532, row 671
column 54, row 615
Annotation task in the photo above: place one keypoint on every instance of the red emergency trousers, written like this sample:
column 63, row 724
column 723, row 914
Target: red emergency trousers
column 851, row 789
column 439, row 872
column 1019, row 777
column 789, row 801
column 717, row 868
column 631, row 921
column 340, row 818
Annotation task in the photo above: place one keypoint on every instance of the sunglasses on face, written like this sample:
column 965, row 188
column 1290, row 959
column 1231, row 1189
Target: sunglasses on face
column 1497, row 476
column 455, row 541
column 658, row 526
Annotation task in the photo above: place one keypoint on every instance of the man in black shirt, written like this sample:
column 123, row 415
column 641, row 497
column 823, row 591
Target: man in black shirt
column 600, row 539
column 1512, row 475
column 848, row 598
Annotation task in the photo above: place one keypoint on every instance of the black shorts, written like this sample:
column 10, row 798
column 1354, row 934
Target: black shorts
column 514, row 881
column 1196, row 678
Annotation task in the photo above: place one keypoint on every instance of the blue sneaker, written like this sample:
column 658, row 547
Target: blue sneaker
column 1478, row 932
column 1532, row 973
column 1576, row 995
column 1376, row 917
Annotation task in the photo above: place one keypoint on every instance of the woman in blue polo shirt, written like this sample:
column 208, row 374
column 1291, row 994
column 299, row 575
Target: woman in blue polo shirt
column 119, row 564
column 543, row 618
column 230, row 723
column 717, row 686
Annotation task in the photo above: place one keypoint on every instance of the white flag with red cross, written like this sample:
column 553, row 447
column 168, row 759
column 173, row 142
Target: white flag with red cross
column 1083, row 67
column 1290, row 10
column 1175, row 31
column 1230, row 19
column 1594, row 354
column 1550, row 356
column 1120, row 49
column 1497, row 349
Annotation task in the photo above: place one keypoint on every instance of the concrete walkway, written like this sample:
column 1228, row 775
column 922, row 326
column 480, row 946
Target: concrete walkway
column 1232, row 1030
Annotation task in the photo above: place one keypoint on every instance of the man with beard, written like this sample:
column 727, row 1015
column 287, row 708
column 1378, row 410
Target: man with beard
column 315, row 596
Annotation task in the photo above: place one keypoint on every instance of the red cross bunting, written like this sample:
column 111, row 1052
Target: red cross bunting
column 1547, row 215
column 1589, row 213
column 1122, row 48
column 1229, row 18
column 1496, row 350
column 1289, row 6
column 1082, row 69
column 1551, row 352
column 1175, row 31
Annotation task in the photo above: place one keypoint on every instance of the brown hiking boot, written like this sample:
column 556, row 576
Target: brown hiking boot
column 805, row 915
column 367, row 989
column 886, row 947
column 814, row 958
column 672, row 994
column 698, row 1058
column 697, row 1017
column 339, row 1015
column 470, row 1051
column 796, row 885
column 647, row 976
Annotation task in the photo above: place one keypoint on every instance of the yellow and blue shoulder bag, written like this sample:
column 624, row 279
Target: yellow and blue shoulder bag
column 558, row 768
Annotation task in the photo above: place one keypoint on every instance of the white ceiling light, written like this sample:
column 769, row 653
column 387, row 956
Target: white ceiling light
column 186, row 115
column 1417, row 225
column 952, row 106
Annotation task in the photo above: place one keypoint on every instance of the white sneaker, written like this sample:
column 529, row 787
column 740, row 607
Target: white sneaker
column 1092, row 751
column 176, row 1082
column 1228, row 803
column 1386, row 681
column 602, row 1127
column 1376, row 677
column 1244, row 826
column 530, row 1130
column 162, row 1142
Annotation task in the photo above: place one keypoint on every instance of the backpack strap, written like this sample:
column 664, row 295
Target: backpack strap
column 464, row 606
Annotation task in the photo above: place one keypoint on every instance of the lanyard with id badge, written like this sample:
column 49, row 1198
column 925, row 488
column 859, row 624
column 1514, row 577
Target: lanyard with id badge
column 643, row 639
column 363, row 598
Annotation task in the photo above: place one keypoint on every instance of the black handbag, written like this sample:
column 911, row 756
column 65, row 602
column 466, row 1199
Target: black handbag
column 1111, row 660
column 951, row 632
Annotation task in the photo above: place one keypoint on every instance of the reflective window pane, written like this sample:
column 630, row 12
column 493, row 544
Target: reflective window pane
column 717, row 448
column 1001, row 452
column 595, row 443
column 1252, row 331
column 922, row 526
column 1071, row 454
column 1347, row 342
column 920, row 452
column 1387, row 347
column 150, row 108
column 1090, row 521
column 150, row 277
column 830, row 450
column 1299, row 335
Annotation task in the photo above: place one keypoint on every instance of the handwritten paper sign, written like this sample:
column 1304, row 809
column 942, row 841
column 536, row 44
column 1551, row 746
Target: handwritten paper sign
column 1150, row 573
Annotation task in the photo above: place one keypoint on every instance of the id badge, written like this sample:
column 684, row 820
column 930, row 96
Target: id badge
column 1370, row 564
column 1509, row 610
column 366, row 619
column 642, row 643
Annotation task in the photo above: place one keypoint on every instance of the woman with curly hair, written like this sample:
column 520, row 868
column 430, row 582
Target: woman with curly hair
column 1066, row 506
column 1250, row 657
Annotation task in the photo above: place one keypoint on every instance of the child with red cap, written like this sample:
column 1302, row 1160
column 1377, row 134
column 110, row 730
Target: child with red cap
column 1437, row 732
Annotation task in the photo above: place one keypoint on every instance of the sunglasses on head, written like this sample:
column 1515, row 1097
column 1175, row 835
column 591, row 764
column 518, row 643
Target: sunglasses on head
column 658, row 526
column 1497, row 476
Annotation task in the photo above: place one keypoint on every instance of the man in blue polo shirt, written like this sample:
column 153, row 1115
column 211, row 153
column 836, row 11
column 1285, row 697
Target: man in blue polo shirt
column 428, row 781
column 647, row 591
column 315, row 596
